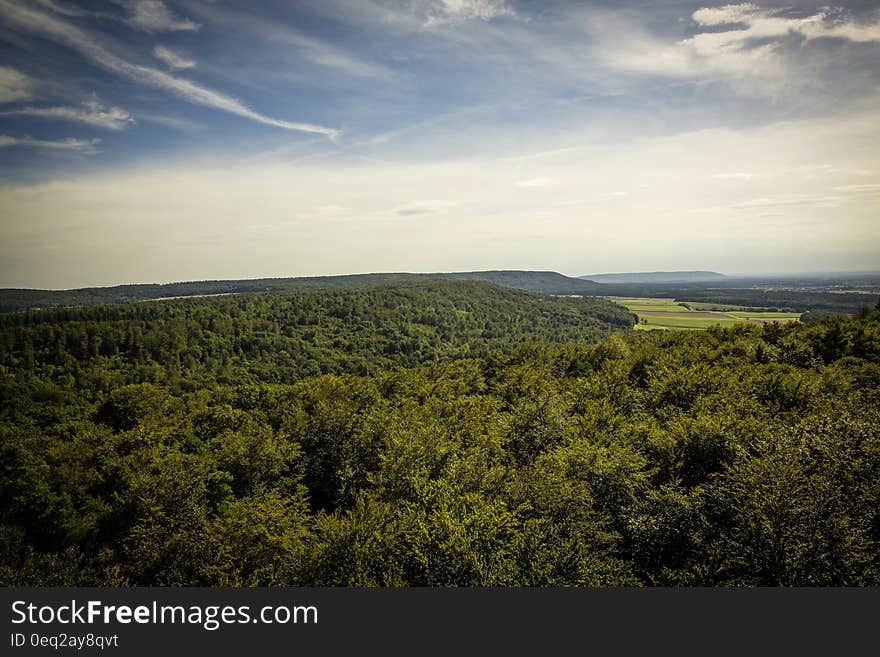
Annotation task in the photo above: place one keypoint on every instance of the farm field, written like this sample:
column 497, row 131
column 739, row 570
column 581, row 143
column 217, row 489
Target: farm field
column 638, row 304
column 664, row 314
column 766, row 316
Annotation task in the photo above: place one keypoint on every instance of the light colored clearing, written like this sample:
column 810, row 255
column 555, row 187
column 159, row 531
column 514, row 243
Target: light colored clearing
column 648, row 304
column 767, row 316
column 694, row 313
column 683, row 321
column 658, row 327
column 192, row 296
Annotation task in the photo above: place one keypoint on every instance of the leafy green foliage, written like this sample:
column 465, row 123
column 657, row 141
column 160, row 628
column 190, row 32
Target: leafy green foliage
column 175, row 445
column 184, row 345
column 545, row 282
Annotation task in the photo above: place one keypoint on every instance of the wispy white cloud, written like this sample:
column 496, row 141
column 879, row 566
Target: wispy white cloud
column 755, row 23
column 70, row 144
column 724, row 15
column 737, row 175
column 313, row 49
column 643, row 53
column 25, row 18
column 454, row 11
column 411, row 15
column 63, row 8
column 428, row 206
column 15, row 85
column 748, row 45
column 872, row 188
column 154, row 16
column 539, row 181
column 528, row 157
column 91, row 113
column 149, row 16
column 173, row 122
column 828, row 201
column 433, row 122
column 325, row 54
column 172, row 59
column 850, row 171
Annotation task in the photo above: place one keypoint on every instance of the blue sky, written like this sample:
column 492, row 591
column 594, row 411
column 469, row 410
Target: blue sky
column 147, row 140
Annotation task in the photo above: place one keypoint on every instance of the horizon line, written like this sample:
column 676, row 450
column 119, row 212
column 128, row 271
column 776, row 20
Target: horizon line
column 581, row 277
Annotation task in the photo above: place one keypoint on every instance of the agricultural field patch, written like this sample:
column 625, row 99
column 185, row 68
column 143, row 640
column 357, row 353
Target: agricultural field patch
column 647, row 304
column 665, row 314
column 767, row 316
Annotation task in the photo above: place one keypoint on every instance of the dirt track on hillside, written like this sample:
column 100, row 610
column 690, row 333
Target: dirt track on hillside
column 683, row 313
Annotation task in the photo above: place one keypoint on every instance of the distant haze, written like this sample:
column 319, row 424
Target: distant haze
column 657, row 277
column 171, row 141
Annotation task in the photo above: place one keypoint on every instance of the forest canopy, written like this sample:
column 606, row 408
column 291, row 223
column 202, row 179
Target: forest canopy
column 275, row 338
column 440, row 434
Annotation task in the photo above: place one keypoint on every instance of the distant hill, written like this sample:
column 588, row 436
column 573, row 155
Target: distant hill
column 546, row 282
column 657, row 277
column 275, row 338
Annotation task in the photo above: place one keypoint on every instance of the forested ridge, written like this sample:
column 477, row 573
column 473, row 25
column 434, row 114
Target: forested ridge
column 275, row 338
column 545, row 282
column 740, row 456
column 831, row 295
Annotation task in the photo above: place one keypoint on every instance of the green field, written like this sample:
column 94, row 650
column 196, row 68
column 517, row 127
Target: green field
column 665, row 314
column 643, row 303
column 766, row 316
column 682, row 321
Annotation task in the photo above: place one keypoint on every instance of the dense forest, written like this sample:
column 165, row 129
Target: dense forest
column 828, row 295
column 545, row 282
column 278, row 338
column 441, row 434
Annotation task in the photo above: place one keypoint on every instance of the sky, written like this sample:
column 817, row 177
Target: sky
column 173, row 140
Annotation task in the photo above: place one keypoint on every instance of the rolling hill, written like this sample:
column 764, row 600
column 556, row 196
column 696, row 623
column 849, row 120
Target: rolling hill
column 280, row 337
column 546, row 282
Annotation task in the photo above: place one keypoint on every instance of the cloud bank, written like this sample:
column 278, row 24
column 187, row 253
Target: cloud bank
column 806, row 199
